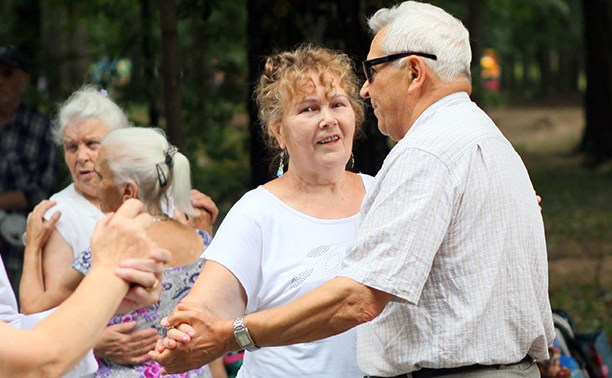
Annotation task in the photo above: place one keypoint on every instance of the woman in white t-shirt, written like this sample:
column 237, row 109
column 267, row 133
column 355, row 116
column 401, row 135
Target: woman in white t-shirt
column 289, row 236
column 83, row 120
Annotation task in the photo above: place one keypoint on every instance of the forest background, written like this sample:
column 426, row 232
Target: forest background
column 541, row 68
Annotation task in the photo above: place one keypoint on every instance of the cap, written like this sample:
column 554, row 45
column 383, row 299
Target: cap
column 11, row 57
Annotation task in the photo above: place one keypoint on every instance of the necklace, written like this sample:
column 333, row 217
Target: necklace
column 160, row 217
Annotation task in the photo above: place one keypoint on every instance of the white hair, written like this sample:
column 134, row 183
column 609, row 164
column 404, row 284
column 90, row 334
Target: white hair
column 421, row 27
column 143, row 155
column 89, row 102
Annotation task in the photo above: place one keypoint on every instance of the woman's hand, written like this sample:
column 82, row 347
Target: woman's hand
column 145, row 275
column 38, row 230
column 123, row 345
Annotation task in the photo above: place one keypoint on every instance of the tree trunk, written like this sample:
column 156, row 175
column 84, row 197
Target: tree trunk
column 475, row 24
column 597, row 137
column 171, row 72
column 148, row 63
column 200, row 73
column 545, row 72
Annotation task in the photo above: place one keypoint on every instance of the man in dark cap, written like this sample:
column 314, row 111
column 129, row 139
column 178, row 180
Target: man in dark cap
column 27, row 158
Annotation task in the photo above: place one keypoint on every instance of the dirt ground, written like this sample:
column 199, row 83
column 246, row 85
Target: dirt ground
column 540, row 130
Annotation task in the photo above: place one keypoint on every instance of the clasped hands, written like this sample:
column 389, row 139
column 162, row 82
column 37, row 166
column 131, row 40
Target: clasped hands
column 193, row 339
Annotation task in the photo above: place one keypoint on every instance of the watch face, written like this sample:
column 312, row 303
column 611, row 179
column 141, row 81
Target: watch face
column 242, row 338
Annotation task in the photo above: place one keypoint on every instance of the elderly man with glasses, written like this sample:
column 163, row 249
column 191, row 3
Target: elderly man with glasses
column 27, row 159
column 448, row 272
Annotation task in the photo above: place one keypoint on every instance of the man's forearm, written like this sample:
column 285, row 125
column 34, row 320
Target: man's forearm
column 333, row 308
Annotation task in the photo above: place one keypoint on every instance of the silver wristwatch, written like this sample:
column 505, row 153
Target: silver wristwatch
column 243, row 338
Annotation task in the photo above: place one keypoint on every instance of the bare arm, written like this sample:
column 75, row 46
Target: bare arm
column 334, row 307
column 38, row 300
column 33, row 295
column 217, row 368
column 57, row 258
column 39, row 352
column 38, row 232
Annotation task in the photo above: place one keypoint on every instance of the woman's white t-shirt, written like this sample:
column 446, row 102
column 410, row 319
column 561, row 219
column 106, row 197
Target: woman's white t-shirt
column 279, row 254
column 78, row 219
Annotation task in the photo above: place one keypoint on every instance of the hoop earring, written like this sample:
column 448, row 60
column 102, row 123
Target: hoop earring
column 281, row 165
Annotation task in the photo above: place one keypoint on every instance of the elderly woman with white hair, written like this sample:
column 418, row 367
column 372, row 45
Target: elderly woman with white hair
column 83, row 120
column 140, row 163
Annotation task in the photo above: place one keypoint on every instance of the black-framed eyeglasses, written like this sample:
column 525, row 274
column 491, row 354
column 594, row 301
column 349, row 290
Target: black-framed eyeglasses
column 368, row 65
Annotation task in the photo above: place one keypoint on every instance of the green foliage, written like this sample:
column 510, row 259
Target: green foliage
column 217, row 142
column 578, row 218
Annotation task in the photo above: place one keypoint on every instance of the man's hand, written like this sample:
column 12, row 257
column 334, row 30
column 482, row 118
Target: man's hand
column 121, row 345
column 201, row 337
column 206, row 212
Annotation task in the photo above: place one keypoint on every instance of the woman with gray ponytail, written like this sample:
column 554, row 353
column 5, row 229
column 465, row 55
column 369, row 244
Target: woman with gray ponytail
column 144, row 157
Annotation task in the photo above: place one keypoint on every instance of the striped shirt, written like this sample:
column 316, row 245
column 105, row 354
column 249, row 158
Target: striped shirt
column 453, row 230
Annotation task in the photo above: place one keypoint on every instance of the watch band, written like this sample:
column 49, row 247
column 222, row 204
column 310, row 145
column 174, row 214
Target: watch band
column 242, row 335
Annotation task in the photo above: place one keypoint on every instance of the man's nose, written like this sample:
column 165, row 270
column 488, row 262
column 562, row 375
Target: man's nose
column 365, row 89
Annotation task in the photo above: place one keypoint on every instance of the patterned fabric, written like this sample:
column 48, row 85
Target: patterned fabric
column 28, row 155
column 453, row 230
column 205, row 237
column 176, row 283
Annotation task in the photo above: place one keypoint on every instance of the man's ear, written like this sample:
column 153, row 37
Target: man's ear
column 130, row 190
column 417, row 71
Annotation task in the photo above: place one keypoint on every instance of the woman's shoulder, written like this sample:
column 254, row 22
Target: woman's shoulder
column 254, row 201
column 66, row 195
column 68, row 200
column 368, row 181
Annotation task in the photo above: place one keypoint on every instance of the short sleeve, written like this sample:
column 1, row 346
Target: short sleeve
column 82, row 263
column 237, row 245
column 403, row 223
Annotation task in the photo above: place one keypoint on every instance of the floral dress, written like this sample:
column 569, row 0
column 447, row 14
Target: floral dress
column 176, row 283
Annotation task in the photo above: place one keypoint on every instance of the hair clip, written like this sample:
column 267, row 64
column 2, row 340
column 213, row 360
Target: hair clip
column 163, row 180
column 170, row 155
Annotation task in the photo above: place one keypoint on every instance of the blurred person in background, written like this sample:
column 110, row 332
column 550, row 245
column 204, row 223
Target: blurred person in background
column 28, row 166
